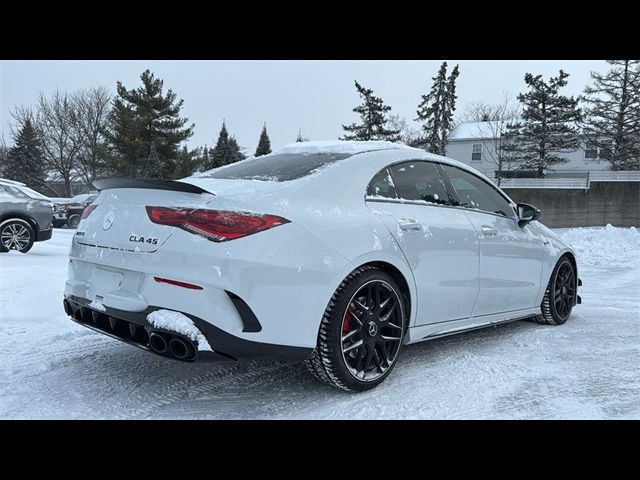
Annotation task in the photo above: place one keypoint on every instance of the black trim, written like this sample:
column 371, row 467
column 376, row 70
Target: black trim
column 249, row 319
column 147, row 183
column 221, row 342
column 43, row 235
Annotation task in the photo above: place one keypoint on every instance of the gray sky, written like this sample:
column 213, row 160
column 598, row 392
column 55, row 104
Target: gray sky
column 316, row 96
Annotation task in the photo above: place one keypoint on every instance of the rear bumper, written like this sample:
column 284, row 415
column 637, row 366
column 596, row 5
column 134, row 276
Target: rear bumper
column 223, row 343
column 43, row 235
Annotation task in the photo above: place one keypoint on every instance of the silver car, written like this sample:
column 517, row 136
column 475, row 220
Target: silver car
column 25, row 216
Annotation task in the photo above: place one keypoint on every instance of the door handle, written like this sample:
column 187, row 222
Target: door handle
column 409, row 224
column 489, row 231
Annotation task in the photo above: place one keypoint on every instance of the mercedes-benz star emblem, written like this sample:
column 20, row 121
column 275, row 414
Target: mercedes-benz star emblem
column 108, row 220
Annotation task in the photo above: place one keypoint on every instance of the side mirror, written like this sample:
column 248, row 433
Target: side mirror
column 527, row 213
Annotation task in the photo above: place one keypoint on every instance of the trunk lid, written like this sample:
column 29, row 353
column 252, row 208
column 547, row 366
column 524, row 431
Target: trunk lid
column 120, row 220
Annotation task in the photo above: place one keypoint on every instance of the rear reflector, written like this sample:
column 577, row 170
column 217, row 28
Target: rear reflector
column 87, row 211
column 215, row 225
column 190, row 286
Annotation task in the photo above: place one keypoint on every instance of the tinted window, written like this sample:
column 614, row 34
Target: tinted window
column 15, row 192
column 382, row 185
column 473, row 192
column 419, row 181
column 279, row 167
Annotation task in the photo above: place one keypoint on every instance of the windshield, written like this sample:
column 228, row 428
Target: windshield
column 277, row 167
column 33, row 194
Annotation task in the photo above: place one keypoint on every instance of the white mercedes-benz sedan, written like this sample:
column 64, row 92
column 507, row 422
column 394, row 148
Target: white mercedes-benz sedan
column 333, row 253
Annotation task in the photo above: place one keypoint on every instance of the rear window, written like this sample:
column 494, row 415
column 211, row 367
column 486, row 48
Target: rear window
column 278, row 167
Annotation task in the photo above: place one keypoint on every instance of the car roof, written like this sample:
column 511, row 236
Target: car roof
column 13, row 183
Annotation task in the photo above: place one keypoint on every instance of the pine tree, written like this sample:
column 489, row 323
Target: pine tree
column 373, row 115
column 146, row 130
column 612, row 116
column 436, row 109
column 548, row 126
column 25, row 162
column 300, row 138
column 226, row 150
column 235, row 153
column 264, row 144
column 186, row 163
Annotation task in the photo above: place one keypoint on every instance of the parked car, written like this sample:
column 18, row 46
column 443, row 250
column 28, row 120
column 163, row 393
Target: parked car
column 25, row 216
column 338, row 254
column 69, row 213
column 58, row 200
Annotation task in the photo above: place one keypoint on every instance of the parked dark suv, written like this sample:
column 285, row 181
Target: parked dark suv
column 25, row 217
column 70, row 212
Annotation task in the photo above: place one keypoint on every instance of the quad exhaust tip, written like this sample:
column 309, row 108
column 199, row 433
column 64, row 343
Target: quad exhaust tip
column 158, row 343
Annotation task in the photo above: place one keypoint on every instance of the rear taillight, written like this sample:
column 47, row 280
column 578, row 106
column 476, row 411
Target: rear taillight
column 215, row 225
column 87, row 211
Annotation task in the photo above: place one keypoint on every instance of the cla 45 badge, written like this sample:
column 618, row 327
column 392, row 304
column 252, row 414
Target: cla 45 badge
column 137, row 239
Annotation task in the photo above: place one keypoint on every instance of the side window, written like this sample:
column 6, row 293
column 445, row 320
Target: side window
column 473, row 192
column 15, row 192
column 419, row 181
column 476, row 152
column 382, row 185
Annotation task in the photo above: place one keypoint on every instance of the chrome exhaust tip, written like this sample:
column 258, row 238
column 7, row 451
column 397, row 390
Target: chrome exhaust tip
column 179, row 348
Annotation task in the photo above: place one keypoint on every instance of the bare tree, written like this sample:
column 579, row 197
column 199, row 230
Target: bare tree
column 495, row 120
column 408, row 135
column 91, row 112
column 56, row 123
column 4, row 155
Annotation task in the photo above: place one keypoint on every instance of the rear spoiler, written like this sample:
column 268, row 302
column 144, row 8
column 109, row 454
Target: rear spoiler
column 149, row 183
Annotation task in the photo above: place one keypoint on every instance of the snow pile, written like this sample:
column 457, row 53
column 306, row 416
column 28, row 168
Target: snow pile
column 179, row 323
column 609, row 246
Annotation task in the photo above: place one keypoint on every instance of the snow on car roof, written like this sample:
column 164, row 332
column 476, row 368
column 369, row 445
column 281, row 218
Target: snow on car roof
column 351, row 147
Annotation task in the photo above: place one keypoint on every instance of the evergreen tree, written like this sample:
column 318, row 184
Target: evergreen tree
column 203, row 158
column 235, row 153
column 264, row 144
column 186, row 163
column 146, row 130
column 548, row 126
column 436, row 109
column 300, row 138
column 25, row 162
column 373, row 115
column 226, row 150
column 612, row 116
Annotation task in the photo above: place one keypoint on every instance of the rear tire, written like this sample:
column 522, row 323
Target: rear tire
column 74, row 221
column 361, row 332
column 560, row 295
column 16, row 234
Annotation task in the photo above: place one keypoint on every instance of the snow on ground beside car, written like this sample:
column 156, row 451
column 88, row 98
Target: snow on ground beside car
column 51, row 367
column 608, row 246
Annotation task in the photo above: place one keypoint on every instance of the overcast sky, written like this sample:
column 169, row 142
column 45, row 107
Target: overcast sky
column 316, row 96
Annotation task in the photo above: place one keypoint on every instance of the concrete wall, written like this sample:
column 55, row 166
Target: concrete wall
column 617, row 203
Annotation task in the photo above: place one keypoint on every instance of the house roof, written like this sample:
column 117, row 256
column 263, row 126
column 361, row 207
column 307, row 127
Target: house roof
column 476, row 130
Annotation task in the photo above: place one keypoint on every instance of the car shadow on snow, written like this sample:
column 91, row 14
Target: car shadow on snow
column 150, row 386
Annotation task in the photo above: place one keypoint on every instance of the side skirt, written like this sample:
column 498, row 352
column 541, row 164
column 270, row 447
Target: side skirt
column 442, row 329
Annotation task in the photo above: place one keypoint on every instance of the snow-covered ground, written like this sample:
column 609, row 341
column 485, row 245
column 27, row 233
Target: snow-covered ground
column 588, row 368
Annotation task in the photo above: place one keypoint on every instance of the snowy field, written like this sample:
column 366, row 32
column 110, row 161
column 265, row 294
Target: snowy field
column 589, row 368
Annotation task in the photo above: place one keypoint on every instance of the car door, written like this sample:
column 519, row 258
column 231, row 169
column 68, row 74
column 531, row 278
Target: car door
column 439, row 243
column 510, row 255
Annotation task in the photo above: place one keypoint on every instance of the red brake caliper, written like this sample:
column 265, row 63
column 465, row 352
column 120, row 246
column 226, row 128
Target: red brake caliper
column 347, row 321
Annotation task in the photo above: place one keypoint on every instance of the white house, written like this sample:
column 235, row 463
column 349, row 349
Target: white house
column 475, row 144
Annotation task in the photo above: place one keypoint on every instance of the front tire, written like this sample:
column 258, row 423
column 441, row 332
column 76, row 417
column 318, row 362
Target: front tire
column 560, row 295
column 361, row 332
column 16, row 234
